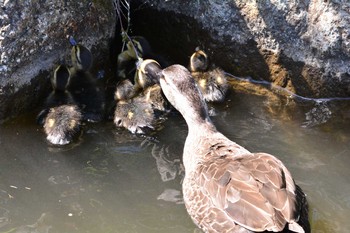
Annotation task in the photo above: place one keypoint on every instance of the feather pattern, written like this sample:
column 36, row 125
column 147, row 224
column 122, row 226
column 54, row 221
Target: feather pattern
column 227, row 188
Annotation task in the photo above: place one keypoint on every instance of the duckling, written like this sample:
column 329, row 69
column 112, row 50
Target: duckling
column 84, row 87
column 126, row 59
column 62, row 124
column 227, row 188
column 212, row 82
column 136, row 49
column 125, row 90
column 59, row 95
column 132, row 112
column 61, row 117
column 148, row 73
column 147, row 80
column 81, row 56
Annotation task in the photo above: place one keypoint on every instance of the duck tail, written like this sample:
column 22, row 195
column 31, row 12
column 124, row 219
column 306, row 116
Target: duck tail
column 303, row 208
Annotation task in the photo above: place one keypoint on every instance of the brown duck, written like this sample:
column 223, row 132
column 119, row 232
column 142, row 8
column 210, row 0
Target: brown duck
column 227, row 188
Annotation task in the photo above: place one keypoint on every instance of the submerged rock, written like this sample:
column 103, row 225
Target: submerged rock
column 33, row 39
column 301, row 45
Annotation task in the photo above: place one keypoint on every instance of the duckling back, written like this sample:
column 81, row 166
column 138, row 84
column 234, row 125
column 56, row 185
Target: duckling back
column 212, row 81
column 213, row 84
column 133, row 111
column 62, row 124
column 136, row 115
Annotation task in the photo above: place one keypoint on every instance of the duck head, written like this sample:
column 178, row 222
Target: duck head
column 199, row 61
column 181, row 90
column 60, row 78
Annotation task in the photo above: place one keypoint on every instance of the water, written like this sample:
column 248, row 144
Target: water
column 112, row 181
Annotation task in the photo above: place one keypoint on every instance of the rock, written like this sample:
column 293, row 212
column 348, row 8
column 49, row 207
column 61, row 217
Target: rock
column 33, row 40
column 301, row 45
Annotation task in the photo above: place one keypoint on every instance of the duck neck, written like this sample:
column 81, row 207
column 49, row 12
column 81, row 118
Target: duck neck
column 199, row 131
column 198, row 126
column 195, row 112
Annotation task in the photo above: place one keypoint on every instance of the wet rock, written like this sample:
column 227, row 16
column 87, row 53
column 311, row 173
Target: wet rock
column 33, row 39
column 301, row 45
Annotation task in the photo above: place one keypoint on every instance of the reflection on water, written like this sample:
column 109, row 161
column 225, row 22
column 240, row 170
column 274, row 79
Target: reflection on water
column 112, row 181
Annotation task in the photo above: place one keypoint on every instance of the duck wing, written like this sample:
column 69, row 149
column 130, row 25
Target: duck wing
column 255, row 191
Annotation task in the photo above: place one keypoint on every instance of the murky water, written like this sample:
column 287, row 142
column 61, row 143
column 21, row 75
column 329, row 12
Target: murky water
column 112, row 181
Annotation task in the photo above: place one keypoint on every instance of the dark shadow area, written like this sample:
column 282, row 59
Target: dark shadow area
column 177, row 36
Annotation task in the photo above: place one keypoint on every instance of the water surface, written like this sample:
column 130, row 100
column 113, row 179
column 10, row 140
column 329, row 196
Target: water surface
column 112, row 181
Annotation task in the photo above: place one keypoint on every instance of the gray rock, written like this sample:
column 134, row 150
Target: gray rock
column 301, row 45
column 33, row 39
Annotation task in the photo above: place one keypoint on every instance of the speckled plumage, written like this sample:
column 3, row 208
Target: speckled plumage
column 227, row 188
column 62, row 124
column 132, row 112
column 61, row 117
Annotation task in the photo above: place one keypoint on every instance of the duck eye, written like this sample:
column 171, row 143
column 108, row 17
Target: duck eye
column 161, row 77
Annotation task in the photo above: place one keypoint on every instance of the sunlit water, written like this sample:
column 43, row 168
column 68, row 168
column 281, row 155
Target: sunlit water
column 112, row 181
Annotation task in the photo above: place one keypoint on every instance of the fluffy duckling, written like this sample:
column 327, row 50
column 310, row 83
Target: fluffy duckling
column 84, row 87
column 132, row 112
column 62, row 124
column 147, row 80
column 148, row 73
column 81, row 56
column 212, row 82
column 227, row 188
column 136, row 49
column 59, row 95
column 61, row 118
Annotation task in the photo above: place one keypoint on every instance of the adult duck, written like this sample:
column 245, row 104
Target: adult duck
column 227, row 188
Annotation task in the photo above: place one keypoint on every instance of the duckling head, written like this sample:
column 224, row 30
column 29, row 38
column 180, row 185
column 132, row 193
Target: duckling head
column 141, row 45
column 81, row 58
column 199, row 61
column 181, row 90
column 124, row 90
column 148, row 73
column 61, row 78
